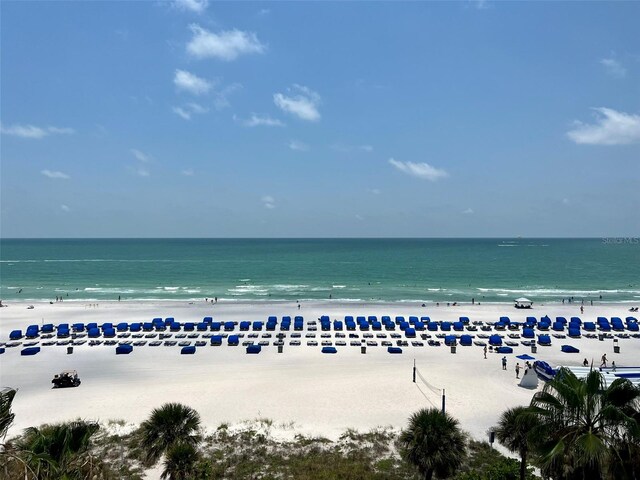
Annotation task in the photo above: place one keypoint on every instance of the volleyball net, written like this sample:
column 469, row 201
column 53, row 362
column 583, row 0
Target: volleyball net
column 420, row 380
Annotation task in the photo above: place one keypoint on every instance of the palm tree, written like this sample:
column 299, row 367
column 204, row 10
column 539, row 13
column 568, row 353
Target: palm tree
column 514, row 432
column 180, row 462
column 433, row 443
column 58, row 451
column 171, row 424
column 6, row 415
column 587, row 425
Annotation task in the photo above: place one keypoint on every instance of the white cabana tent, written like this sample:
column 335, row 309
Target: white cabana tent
column 523, row 303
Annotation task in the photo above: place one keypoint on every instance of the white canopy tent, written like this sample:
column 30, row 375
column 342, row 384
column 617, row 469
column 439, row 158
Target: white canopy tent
column 523, row 302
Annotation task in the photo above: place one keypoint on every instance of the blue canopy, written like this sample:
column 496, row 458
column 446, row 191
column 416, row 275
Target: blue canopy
column 329, row 350
column 525, row 357
column 190, row 350
column 216, row 340
column 394, row 350
column 124, row 349
column 30, row 351
column 569, row 349
column 254, row 348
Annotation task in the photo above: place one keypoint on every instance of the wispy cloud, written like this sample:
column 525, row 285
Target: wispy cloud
column 65, row 208
column 33, row 132
column 420, row 170
column 187, row 172
column 226, row 45
column 186, row 111
column 221, row 99
column 55, row 174
column 300, row 101
column 139, row 171
column 259, row 121
column 298, row 146
column 613, row 67
column 468, row 211
column 611, row 128
column 268, row 202
column 481, row 4
column 375, row 191
column 195, row 6
column 352, row 148
column 191, row 83
column 141, row 156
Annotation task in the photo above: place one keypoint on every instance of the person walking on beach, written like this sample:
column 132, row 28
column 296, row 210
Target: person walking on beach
column 585, row 363
column 613, row 366
column 517, row 370
column 604, row 361
column 504, row 363
column 581, row 309
column 485, row 352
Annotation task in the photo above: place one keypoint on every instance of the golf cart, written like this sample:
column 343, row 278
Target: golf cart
column 67, row 378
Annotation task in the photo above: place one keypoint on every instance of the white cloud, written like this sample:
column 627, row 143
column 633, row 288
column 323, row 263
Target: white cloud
column 221, row 99
column 611, row 128
column 65, row 208
column 225, row 45
column 187, row 172
column 141, row 156
column 187, row 110
column 182, row 112
column 268, row 202
column 614, row 67
column 55, row 174
column 191, row 83
column 195, row 6
column 140, row 171
column 352, row 148
column 375, row 191
column 468, row 211
column 259, row 121
column 298, row 146
column 31, row 131
column 420, row 170
column 565, row 201
column 301, row 102
column 359, row 217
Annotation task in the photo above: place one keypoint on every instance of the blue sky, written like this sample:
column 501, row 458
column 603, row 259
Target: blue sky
column 292, row 119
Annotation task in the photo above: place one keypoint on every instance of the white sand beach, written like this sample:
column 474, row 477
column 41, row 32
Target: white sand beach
column 321, row 394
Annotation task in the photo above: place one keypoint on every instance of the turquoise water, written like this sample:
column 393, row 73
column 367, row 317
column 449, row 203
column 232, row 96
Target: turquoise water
column 428, row 270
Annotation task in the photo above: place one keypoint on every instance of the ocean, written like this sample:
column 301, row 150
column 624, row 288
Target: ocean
column 370, row 270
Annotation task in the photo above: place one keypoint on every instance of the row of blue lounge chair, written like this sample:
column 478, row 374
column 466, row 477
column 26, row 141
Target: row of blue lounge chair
column 108, row 330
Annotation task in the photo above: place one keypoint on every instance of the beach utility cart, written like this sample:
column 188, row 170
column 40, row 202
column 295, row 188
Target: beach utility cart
column 66, row 379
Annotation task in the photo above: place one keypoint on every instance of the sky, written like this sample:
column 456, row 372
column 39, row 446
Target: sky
column 195, row 118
